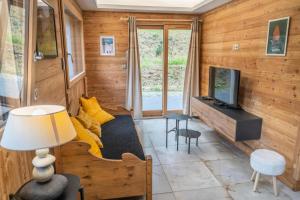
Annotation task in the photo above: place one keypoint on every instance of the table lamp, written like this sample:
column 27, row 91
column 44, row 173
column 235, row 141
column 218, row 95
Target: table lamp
column 38, row 128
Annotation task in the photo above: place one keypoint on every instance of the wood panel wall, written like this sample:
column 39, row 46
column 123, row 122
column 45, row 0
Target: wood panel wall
column 106, row 74
column 270, row 86
column 49, row 78
column 12, row 175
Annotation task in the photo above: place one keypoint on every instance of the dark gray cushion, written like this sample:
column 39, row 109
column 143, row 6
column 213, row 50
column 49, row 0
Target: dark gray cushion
column 44, row 191
column 119, row 136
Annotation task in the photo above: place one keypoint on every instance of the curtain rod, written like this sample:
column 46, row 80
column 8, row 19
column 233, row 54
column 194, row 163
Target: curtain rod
column 160, row 20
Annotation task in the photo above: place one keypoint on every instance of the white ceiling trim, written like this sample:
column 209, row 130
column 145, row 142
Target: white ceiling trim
column 203, row 6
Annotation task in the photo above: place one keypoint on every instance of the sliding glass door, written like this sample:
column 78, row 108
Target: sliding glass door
column 163, row 57
column 152, row 65
column 178, row 49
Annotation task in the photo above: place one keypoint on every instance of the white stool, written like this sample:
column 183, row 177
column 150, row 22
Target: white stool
column 266, row 162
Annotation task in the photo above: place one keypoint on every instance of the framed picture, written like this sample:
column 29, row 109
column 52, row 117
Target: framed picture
column 107, row 46
column 46, row 45
column 277, row 36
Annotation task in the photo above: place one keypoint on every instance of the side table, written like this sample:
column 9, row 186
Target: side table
column 177, row 118
column 187, row 133
column 70, row 192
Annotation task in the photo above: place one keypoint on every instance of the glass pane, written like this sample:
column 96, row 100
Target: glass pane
column 151, row 58
column 178, row 49
column 46, row 35
column 12, row 41
column 74, row 44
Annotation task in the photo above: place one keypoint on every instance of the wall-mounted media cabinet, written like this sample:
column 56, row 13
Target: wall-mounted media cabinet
column 234, row 124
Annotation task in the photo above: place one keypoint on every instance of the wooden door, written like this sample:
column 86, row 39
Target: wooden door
column 47, row 84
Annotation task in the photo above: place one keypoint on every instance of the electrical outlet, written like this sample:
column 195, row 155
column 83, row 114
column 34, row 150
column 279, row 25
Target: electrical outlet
column 236, row 47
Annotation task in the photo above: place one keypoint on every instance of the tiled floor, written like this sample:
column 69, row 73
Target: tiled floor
column 215, row 170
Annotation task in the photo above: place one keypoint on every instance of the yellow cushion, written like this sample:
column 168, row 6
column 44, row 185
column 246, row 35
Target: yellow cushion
column 96, row 138
column 83, row 135
column 88, row 122
column 92, row 108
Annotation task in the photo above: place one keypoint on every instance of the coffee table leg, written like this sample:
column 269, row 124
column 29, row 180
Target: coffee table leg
column 177, row 133
column 197, row 141
column 176, row 128
column 189, row 151
column 81, row 190
column 186, row 129
column 186, row 125
column 167, row 121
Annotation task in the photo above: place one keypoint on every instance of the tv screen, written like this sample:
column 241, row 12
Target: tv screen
column 224, row 85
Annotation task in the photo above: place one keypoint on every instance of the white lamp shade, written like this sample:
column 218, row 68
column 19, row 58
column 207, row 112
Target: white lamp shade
column 37, row 127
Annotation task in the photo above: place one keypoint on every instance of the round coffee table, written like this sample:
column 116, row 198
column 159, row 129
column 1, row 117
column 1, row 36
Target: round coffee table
column 187, row 133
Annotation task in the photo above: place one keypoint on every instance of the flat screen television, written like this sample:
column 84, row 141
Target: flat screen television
column 224, row 85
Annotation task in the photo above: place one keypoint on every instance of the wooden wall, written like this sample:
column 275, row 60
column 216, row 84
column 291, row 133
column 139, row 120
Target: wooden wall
column 106, row 75
column 15, row 169
column 49, row 78
column 270, row 86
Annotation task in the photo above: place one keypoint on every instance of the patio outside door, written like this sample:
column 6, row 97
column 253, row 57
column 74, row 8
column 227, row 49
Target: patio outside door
column 163, row 57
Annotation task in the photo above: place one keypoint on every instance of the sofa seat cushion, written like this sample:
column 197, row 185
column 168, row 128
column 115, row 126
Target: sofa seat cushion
column 119, row 136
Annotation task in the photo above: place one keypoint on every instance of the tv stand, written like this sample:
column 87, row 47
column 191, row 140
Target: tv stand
column 219, row 103
column 235, row 124
column 224, row 105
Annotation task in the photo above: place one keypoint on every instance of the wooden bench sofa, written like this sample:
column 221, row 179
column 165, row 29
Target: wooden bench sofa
column 124, row 170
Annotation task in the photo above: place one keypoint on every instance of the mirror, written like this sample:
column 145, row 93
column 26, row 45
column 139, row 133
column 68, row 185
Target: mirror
column 46, row 46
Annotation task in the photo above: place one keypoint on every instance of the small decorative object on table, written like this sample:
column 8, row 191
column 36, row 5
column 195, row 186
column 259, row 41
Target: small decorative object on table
column 39, row 128
column 267, row 162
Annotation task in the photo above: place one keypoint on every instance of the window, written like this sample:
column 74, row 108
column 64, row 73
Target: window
column 12, row 55
column 74, row 45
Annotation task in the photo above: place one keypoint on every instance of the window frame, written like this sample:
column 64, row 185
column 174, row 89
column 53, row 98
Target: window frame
column 165, row 26
column 67, row 4
column 24, row 91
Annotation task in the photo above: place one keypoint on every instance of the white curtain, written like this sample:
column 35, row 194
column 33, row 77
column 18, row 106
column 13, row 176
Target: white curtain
column 191, row 81
column 134, row 86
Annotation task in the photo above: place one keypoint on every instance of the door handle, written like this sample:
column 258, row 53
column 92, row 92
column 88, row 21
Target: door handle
column 38, row 56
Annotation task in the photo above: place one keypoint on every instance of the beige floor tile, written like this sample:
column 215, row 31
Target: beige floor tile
column 214, row 193
column 171, row 155
column 145, row 140
column 231, row 171
column 165, row 196
column 213, row 151
column 160, row 182
column 189, row 176
column 243, row 191
column 151, row 151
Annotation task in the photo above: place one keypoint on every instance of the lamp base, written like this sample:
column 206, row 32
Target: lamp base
column 43, row 169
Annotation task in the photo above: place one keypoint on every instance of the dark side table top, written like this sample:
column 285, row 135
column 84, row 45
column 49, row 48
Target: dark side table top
column 70, row 192
column 177, row 116
column 189, row 133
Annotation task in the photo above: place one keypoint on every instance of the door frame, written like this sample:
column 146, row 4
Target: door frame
column 31, row 62
column 165, row 27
